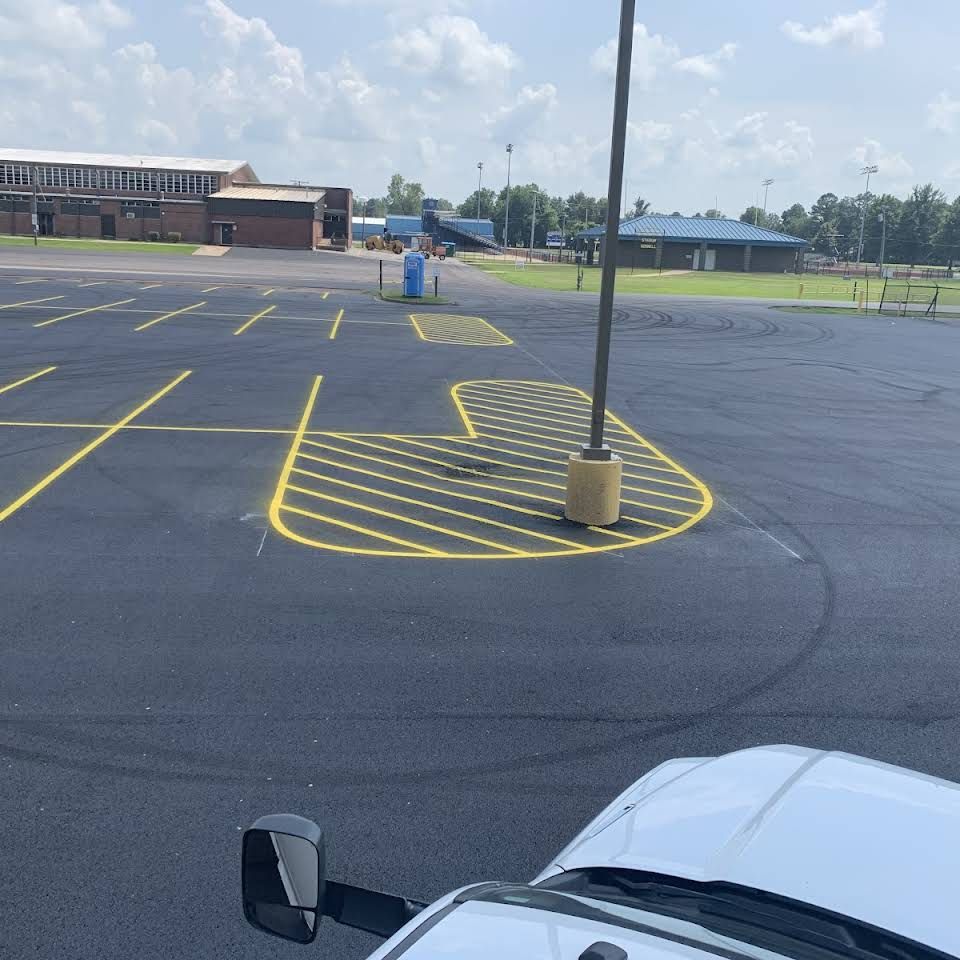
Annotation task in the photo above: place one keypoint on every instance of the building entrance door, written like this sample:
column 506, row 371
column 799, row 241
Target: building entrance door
column 108, row 226
column 226, row 234
column 45, row 224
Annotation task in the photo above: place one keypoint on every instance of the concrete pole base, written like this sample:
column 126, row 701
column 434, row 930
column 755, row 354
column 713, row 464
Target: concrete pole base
column 593, row 490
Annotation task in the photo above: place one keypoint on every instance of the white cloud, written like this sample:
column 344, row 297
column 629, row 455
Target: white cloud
column 650, row 53
column 860, row 29
column 943, row 112
column 647, row 144
column 893, row 165
column 453, row 52
column 707, row 65
column 525, row 115
column 751, row 142
column 67, row 28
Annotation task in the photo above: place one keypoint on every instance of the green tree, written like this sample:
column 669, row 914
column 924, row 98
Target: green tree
column 756, row 216
column 795, row 221
column 488, row 200
column 714, row 214
column 947, row 239
column 394, row 197
column 920, row 220
column 641, row 208
column 891, row 207
column 521, row 215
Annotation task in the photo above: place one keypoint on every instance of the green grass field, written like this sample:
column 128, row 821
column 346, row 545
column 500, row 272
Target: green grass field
column 774, row 286
column 116, row 246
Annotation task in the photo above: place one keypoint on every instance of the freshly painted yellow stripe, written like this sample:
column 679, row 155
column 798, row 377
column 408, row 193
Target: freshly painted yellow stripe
column 20, row 283
column 89, row 448
column 80, row 313
column 515, row 417
column 366, row 531
column 27, row 303
column 33, row 376
column 325, row 294
column 336, row 324
column 211, row 289
column 140, row 426
column 266, row 293
column 352, row 485
column 167, row 316
column 253, row 320
column 93, row 283
column 528, row 405
column 563, row 395
column 423, row 524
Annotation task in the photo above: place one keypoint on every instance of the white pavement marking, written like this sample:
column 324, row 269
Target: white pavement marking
column 757, row 526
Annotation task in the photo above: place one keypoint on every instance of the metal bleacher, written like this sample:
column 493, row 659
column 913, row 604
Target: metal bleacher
column 459, row 235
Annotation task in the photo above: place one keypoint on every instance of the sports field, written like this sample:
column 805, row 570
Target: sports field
column 774, row 286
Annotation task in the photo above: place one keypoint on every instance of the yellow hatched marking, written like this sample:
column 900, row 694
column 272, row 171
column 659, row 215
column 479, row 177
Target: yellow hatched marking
column 167, row 316
column 33, row 376
column 89, row 448
column 366, row 531
column 253, row 320
column 448, row 328
column 80, row 313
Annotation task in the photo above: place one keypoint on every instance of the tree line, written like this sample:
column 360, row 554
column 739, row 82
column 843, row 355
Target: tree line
column 922, row 229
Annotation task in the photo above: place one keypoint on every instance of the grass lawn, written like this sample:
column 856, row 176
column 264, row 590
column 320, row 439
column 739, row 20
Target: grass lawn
column 777, row 286
column 121, row 246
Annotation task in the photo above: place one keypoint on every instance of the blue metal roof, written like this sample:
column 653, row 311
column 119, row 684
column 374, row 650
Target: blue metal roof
column 404, row 223
column 696, row 229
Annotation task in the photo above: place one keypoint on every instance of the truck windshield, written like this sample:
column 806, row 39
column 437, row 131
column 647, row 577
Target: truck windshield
column 787, row 927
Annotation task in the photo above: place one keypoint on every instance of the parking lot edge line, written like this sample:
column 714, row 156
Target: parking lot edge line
column 210, row 289
column 72, row 461
column 336, row 324
column 33, row 376
column 167, row 316
column 79, row 313
column 273, row 431
column 266, row 293
column 416, row 327
column 464, row 416
column 254, row 319
column 27, row 303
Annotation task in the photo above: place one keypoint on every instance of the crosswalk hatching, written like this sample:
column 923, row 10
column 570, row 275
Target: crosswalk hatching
column 495, row 492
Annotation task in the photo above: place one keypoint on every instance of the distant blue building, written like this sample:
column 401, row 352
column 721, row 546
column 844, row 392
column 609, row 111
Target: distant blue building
column 444, row 226
column 700, row 243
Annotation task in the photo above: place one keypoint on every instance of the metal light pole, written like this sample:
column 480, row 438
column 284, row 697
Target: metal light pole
column 883, row 238
column 533, row 222
column 872, row 168
column 506, row 218
column 766, row 186
column 34, row 216
column 597, row 450
column 479, row 182
column 594, row 473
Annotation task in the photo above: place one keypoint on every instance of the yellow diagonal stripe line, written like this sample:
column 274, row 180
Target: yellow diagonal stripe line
column 336, row 325
column 80, row 313
column 167, row 316
column 27, row 303
column 33, row 376
column 366, row 531
column 89, row 448
column 253, row 320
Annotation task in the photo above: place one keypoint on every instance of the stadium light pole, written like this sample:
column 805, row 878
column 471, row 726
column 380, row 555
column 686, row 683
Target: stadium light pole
column 883, row 238
column 766, row 186
column 506, row 217
column 872, row 168
column 594, row 473
column 533, row 221
column 479, row 182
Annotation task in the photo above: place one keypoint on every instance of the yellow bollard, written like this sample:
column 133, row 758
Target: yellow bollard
column 593, row 490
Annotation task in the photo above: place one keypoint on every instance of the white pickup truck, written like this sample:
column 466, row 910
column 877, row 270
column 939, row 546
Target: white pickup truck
column 774, row 852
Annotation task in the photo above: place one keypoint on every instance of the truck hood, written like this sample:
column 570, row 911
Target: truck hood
column 866, row 839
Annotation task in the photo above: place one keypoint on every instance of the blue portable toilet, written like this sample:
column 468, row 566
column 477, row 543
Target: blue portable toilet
column 413, row 275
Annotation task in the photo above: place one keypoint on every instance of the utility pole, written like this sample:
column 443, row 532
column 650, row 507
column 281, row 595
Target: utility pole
column 506, row 218
column 533, row 222
column 479, row 182
column 766, row 186
column 872, row 168
column 34, row 216
column 883, row 238
column 594, row 473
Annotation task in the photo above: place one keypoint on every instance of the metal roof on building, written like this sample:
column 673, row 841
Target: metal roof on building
column 127, row 160
column 268, row 192
column 700, row 228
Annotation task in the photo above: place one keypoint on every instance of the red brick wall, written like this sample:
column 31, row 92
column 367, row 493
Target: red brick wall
column 272, row 232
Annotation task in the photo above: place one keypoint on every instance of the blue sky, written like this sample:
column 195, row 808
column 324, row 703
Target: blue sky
column 350, row 91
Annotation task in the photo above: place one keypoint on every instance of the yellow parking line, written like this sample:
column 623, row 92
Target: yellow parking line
column 266, row 293
column 89, row 448
column 336, row 324
column 78, row 313
column 93, row 283
column 33, row 376
column 366, row 531
column 325, row 294
column 211, row 289
column 20, row 283
column 150, row 286
column 254, row 319
column 167, row 316
column 27, row 303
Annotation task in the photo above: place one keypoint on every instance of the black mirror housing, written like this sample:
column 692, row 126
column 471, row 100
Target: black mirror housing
column 284, row 876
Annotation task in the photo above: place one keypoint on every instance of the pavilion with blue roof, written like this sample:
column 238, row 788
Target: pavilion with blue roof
column 700, row 243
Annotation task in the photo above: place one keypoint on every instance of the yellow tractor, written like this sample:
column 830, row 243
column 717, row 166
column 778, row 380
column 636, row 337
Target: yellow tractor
column 376, row 242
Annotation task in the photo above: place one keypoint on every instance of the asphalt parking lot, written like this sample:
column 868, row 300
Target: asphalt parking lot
column 268, row 544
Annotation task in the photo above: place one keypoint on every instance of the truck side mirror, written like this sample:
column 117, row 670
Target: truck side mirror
column 284, row 876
